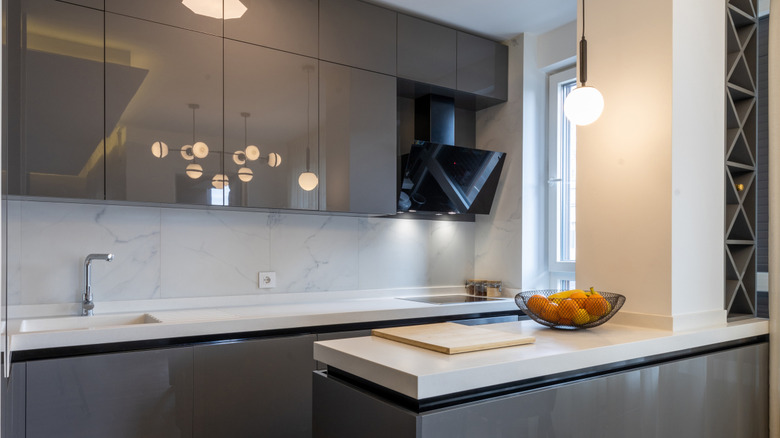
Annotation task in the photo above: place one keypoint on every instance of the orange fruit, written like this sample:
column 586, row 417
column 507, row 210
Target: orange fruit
column 564, row 321
column 581, row 317
column 597, row 305
column 578, row 295
column 536, row 303
column 550, row 313
column 568, row 308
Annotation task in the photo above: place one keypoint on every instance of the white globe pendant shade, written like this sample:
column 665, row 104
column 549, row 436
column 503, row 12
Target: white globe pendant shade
column 219, row 181
column 159, row 149
column 194, row 171
column 186, row 152
column 200, row 149
column 274, row 159
column 583, row 105
column 308, row 181
column 245, row 174
column 252, row 152
column 239, row 157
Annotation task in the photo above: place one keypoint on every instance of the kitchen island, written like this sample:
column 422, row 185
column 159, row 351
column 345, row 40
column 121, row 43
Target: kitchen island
column 610, row 381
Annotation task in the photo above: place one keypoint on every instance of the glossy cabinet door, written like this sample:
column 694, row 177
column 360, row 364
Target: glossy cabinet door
column 426, row 52
column 95, row 4
column 202, row 16
column 55, row 97
column 482, row 66
column 163, row 86
column 358, row 34
column 136, row 394
column 257, row 388
column 357, row 140
column 270, row 108
column 289, row 25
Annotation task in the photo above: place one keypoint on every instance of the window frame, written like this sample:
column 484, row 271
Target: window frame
column 562, row 273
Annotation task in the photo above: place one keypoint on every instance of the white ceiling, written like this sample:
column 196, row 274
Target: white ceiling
column 496, row 19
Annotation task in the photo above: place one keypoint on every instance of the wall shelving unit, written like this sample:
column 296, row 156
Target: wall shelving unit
column 740, row 148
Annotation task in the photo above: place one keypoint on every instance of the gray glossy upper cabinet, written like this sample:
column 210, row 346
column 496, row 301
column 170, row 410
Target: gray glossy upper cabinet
column 357, row 140
column 358, row 34
column 55, row 96
column 256, row 388
column 163, row 113
column 137, row 394
column 426, row 52
column 203, row 16
column 270, row 122
column 289, row 25
column 96, row 4
column 482, row 66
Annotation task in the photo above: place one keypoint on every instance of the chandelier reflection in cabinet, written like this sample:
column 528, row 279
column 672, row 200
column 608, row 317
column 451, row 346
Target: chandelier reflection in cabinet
column 200, row 150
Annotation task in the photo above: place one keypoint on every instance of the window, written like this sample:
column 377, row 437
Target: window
column 562, row 172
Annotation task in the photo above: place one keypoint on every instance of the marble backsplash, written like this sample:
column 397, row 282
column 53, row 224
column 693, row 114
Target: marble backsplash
column 181, row 253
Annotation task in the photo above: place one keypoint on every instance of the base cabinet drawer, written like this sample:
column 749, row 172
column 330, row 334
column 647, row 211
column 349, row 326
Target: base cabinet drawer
column 256, row 388
column 135, row 394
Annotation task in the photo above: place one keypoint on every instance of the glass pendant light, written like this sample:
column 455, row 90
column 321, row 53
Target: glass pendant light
column 274, row 159
column 220, row 181
column 584, row 104
column 308, row 180
column 159, row 149
column 194, row 170
column 245, row 174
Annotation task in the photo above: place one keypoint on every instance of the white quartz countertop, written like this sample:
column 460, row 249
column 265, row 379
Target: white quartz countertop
column 40, row 333
column 421, row 373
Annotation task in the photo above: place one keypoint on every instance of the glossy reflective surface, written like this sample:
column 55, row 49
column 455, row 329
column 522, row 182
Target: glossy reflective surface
column 58, row 51
column 154, row 75
column 357, row 136
column 482, row 66
column 358, row 34
column 289, row 25
column 143, row 393
column 443, row 178
column 172, row 12
column 277, row 91
column 426, row 52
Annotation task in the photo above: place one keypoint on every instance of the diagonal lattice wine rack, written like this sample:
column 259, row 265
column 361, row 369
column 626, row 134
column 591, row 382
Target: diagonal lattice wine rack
column 740, row 226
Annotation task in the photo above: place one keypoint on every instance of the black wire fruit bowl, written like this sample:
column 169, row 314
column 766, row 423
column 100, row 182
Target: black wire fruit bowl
column 569, row 310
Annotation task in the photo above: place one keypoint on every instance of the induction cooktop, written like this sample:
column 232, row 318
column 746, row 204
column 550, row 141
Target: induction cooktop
column 449, row 299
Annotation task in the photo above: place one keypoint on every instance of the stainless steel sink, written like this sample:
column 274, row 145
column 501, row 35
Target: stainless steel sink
column 85, row 322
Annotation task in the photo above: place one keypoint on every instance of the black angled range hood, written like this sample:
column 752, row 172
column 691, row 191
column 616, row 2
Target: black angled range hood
column 439, row 177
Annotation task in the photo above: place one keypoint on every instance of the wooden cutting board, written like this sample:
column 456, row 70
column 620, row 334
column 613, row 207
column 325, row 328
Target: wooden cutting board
column 452, row 338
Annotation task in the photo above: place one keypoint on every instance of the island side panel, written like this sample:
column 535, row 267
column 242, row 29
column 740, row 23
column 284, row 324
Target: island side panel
column 343, row 411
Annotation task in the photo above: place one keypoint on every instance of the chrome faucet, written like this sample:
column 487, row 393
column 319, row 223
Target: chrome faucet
column 87, row 305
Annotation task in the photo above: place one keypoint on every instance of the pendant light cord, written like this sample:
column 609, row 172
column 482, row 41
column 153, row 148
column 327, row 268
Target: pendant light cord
column 583, row 51
column 308, row 110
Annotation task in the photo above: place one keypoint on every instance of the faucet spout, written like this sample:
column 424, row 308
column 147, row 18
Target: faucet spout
column 87, row 303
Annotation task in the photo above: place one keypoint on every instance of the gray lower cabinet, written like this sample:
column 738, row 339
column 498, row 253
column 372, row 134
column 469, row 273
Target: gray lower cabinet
column 358, row 34
column 719, row 395
column 256, row 388
column 136, row 394
column 357, row 140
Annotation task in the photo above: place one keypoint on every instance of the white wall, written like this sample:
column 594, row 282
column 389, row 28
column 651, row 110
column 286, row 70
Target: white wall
column 499, row 235
column 650, row 187
column 698, row 139
column 180, row 252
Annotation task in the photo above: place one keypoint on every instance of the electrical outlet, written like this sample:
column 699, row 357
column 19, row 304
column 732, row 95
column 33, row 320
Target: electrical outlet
column 266, row 280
